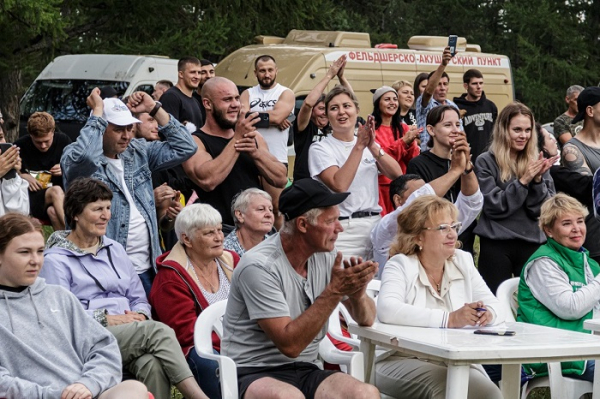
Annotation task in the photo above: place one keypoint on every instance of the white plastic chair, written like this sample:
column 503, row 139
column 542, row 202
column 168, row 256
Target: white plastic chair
column 335, row 327
column 373, row 288
column 560, row 386
column 211, row 319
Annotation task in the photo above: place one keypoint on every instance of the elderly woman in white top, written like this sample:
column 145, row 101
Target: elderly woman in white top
column 429, row 283
column 346, row 162
column 252, row 212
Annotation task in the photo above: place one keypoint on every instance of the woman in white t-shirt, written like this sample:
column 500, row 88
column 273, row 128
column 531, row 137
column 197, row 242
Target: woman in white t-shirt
column 346, row 162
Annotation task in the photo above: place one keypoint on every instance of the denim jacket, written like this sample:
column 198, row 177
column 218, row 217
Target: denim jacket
column 85, row 158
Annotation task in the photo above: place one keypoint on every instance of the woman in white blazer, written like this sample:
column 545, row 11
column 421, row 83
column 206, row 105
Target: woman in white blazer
column 430, row 283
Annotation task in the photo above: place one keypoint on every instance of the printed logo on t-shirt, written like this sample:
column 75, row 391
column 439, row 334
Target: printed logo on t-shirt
column 321, row 134
column 263, row 104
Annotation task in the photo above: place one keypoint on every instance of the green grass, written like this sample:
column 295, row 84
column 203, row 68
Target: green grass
column 540, row 393
column 175, row 394
column 47, row 231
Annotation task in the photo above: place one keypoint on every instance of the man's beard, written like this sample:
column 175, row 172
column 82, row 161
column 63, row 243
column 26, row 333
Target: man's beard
column 222, row 121
column 270, row 84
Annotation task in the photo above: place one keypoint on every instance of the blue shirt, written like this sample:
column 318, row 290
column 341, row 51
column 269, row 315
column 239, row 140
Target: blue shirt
column 85, row 158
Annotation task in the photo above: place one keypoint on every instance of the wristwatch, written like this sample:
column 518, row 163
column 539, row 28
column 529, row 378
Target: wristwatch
column 379, row 154
column 157, row 106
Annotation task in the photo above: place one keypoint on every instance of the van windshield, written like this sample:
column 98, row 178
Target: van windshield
column 64, row 99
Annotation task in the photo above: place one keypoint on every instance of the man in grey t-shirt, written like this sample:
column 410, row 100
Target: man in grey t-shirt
column 564, row 128
column 282, row 294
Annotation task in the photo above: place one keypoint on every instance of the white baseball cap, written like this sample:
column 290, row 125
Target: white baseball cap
column 116, row 112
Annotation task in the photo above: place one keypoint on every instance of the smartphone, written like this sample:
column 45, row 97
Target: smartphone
column 495, row 332
column 452, row 41
column 11, row 174
column 264, row 119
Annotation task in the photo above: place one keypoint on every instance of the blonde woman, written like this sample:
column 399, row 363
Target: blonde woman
column 429, row 283
column 515, row 180
column 406, row 99
column 560, row 284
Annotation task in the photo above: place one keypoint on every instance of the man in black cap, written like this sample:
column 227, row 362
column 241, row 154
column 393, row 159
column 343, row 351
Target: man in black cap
column 282, row 294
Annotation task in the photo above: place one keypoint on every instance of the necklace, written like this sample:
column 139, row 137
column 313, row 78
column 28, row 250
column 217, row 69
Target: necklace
column 438, row 287
column 212, row 287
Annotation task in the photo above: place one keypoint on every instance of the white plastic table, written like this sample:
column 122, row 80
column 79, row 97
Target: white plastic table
column 593, row 325
column 460, row 347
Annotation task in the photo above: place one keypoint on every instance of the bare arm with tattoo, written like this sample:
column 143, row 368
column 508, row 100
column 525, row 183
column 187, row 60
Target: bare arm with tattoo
column 574, row 160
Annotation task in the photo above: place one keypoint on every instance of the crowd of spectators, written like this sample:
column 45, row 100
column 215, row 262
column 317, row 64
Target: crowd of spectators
column 168, row 203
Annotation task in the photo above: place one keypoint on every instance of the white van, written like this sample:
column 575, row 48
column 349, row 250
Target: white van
column 63, row 86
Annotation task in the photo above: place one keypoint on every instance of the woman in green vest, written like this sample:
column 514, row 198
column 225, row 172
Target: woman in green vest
column 560, row 285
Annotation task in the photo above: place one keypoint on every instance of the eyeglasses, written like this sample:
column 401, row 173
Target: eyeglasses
column 446, row 228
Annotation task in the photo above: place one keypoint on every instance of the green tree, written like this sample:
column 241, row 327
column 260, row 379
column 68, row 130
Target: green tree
column 35, row 31
column 28, row 28
column 551, row 43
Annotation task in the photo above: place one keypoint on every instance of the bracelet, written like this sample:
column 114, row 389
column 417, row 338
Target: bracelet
column 157, row 106
column 467, row 171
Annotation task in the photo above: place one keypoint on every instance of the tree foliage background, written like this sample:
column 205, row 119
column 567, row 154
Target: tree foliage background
column 552, row 44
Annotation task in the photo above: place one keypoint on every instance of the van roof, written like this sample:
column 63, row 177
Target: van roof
column 294, row 61
column 110, row 67
column 290, row 59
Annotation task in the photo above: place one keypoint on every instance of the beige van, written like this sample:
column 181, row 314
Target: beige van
column 304, row 56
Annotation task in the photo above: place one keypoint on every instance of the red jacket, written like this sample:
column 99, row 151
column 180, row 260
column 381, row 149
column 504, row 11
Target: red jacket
column 398, row 150
column 176, row 298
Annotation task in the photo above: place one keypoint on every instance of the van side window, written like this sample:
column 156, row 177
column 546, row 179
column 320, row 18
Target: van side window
column 148, row 88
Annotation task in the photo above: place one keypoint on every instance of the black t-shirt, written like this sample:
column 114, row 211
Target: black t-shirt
column 410, row 118
column 198, row 98
column 35, row 160
column 175, row 178
column 302, row 141
column 243, row 175
column 429, row 166
column 182, row 107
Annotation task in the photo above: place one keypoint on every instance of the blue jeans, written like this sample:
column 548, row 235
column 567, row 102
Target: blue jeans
column 147, row 278
column 588, row 374
column 206, row 374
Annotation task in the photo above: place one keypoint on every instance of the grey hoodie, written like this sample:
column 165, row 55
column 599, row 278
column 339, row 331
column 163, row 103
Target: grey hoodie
column 49, row 342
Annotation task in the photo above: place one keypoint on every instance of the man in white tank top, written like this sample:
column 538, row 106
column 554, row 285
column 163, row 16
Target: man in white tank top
column 278, row 101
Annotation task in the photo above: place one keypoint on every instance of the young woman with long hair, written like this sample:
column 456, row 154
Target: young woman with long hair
column 515, row 180
column 394, row 137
